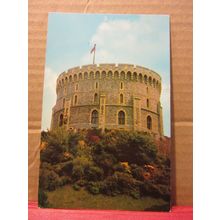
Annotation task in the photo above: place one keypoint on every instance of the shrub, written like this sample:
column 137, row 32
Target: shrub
column 67, row 168
column 78, row 173
column 81, row 182
column 135, row 194
column 138, row 173
column 76, row 187
column 94, row 173
column 42, row 199
column 52, row 154
column 48, row 180
column 136, row 148
column 126, row 183
column 93, row 187
column 110, row 186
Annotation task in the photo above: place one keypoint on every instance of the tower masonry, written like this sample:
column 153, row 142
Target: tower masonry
column 109, row 96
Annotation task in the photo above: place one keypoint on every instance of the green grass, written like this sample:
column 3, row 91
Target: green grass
column 67, row 197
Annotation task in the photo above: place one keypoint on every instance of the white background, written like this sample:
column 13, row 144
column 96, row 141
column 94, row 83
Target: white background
column 14, row 106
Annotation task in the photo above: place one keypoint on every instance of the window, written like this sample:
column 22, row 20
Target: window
column 140, row 77
column 154, row 83
column 96, row 85
column 97, row 75
column 110, row 74
column 148, row 103
column 96, row 98
column 121, row 99
column 122, row 85
column 129, row 75
column 135, row 76
column 75, row 100
column 145, row 78
column 149, row 122
column 61, row 120
column 147, row 90
column 64, row 91
column 116, row 75
column 95, row 117
column 103, row 74
column 150, row 80
column 80, row 75
column 91, row 75
column 122, row 75
column 85, row 75
column 121, row 118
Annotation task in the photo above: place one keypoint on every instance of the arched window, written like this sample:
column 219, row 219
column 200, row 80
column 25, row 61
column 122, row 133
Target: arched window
column 85, row 75
column 121, row 99
column 61, row 120
column 145, row 78
column 66, row 79
column 96, row 98
column 75, row 77
column 121, row 118
column 116, row 75
column 75, row 100
column 110, row 74
column 91, row 75
column 95, row 117
column 140, row 77
column 103, row 74
column 148, row 103
column 129, row 75
column 135, row 76
column 147, row 90
column 154, row 83
column 149, row 122
column 122, row 75
column 97, row 75
column 70, row 78
column 80, row 75
column 150, row 80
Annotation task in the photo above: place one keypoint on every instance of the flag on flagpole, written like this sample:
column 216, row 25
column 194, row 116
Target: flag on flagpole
column 93, row 49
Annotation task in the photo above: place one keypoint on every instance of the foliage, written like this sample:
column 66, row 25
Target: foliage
column 42, row 199
column 76, row 187
column 94, row 173
column 110, row 163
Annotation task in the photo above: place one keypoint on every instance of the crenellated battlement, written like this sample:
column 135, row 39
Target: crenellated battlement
column 110, row 71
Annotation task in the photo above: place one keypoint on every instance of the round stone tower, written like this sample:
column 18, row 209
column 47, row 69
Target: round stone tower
column 109, row 96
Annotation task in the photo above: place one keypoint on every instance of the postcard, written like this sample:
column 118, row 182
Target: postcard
column 106, row 125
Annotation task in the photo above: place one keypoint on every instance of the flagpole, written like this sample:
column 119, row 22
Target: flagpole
column 94, row 56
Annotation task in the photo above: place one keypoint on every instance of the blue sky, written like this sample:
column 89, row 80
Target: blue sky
column 136, row 39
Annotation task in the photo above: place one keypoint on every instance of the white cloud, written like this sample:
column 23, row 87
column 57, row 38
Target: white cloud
column 141, row 41
column 49, row 96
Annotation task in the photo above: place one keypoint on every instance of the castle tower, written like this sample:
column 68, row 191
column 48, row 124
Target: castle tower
column 122, row 96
